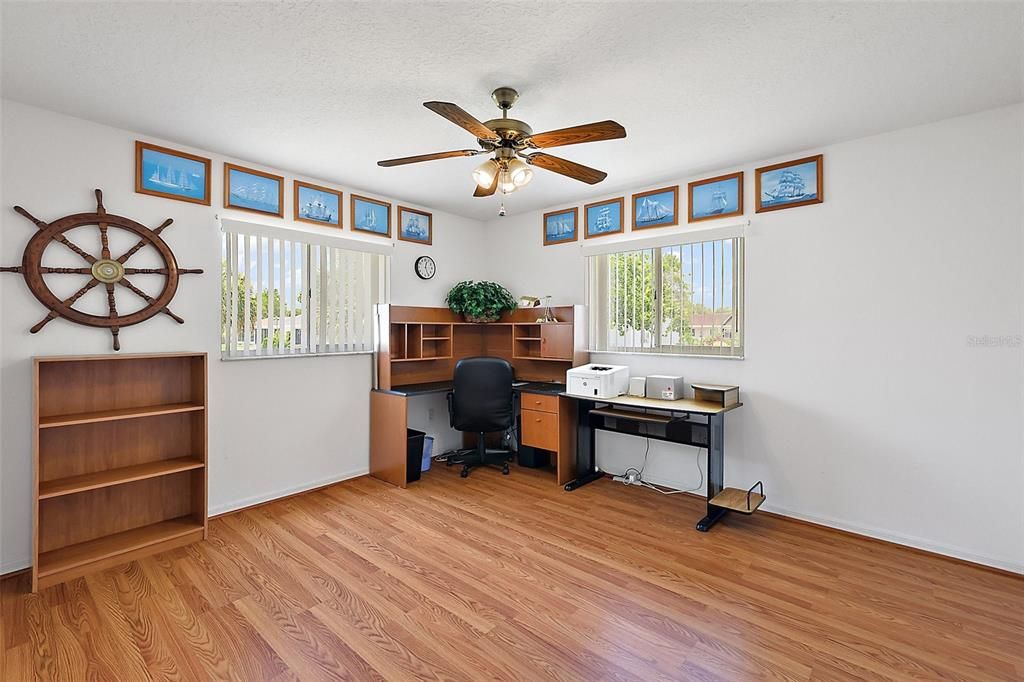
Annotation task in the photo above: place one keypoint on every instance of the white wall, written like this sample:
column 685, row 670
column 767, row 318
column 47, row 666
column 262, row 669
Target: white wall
column 261, row 445
column 866, row 408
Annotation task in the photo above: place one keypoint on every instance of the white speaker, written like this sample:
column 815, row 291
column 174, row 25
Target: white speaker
column 638, row 386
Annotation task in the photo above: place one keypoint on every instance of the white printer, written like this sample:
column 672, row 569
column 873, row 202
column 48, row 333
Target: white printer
column 597, row 380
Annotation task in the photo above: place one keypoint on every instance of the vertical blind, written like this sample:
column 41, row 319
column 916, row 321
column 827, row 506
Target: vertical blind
column 684, row 298
column 284, row 297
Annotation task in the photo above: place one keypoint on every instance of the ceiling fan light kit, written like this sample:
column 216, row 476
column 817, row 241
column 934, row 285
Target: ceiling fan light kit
column 510, row 168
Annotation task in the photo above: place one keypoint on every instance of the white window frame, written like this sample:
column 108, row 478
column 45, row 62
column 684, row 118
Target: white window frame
column 597, row 291
column 364, row 265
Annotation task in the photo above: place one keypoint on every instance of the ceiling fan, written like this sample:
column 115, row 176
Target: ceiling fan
column 508, row 138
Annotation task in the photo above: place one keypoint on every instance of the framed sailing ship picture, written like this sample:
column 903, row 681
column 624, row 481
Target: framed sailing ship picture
column 415, row 225
column 793, row 183
column 560, row 226
column 716, row 197
column 603, row 218
column 316, row 204
column 657, row 208
column 252, row 190
column 168, row 173
column 370, row 215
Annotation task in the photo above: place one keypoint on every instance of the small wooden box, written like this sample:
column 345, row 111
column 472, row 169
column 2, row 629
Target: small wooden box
column 726, row 396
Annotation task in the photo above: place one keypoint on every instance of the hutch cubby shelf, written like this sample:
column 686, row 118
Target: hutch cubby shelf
column 120, row 453
column 412, row 341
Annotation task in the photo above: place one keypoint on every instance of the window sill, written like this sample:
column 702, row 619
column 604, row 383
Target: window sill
column 237, row 358
column 650, row 354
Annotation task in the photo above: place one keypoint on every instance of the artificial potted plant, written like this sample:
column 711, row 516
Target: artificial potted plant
column 479, row 301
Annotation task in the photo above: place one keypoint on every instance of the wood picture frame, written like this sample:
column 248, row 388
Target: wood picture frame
column 279, row 180
column 354, row 200
column 297, row 212
column 620, row 201
column 819, row 175
column 690, row 187
column 401, row 226
column 665, row 221
column 149, row 185
column 546, row 234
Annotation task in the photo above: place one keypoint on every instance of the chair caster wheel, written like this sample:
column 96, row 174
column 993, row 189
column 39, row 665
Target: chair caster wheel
column 504, row 470
column 464, row 473
column 447, row 462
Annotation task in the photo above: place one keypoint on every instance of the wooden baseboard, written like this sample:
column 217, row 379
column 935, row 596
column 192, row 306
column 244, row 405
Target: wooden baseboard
column 285, row 497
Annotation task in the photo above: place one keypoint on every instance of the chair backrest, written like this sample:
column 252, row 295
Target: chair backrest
column 482, row 395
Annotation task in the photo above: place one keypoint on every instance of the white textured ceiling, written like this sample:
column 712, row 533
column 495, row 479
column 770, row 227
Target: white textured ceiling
column 327, row 89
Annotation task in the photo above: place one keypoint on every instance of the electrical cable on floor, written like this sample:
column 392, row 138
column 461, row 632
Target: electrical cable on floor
column 656, row 487
column 673, row 491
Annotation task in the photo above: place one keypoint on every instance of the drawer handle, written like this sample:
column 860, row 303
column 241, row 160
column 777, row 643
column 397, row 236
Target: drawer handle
column 537, row 420
column 536, row 402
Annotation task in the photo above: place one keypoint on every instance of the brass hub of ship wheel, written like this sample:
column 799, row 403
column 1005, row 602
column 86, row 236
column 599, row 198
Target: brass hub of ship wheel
column 108, row 271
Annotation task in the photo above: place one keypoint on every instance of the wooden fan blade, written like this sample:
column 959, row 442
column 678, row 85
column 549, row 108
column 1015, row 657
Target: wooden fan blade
column 462, row 118
column 487, row 191
column 429, row 157
column 591, row 132
column 571, row 169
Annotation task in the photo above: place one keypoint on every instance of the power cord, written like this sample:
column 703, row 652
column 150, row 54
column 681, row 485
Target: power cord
column 672, row 491
column 655, row 487
column 647, row 452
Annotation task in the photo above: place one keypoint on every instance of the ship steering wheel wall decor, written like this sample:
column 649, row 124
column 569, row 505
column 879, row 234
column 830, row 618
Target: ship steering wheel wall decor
column 104, row 269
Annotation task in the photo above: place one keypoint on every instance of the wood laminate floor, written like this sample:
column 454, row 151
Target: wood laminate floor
column 497, row 577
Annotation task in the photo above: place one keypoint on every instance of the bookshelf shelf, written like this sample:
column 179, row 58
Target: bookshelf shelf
column 57, row 562
column 113, row 415
column 129, row 474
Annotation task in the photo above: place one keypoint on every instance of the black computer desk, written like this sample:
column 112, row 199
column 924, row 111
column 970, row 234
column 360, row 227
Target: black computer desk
column 688, row 422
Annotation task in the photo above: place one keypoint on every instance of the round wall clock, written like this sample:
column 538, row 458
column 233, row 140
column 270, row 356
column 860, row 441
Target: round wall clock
column 425, row 267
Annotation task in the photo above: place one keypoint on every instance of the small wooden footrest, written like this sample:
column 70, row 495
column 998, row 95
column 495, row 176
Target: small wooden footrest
column 742, row 501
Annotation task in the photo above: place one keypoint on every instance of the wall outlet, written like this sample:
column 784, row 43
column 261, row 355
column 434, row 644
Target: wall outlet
column 430, row 414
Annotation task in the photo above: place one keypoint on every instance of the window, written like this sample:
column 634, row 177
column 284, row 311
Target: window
column 282, row 297
column 684, row 298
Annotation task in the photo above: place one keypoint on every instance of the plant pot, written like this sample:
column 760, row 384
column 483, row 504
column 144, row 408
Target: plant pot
column 487, row 318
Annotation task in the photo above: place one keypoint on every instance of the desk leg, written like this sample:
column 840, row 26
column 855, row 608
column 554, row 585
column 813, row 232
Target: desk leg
column 586, row 459
column 716, row 470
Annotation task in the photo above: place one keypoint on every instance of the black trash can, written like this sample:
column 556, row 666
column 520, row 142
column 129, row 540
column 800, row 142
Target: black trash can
column 413, row 454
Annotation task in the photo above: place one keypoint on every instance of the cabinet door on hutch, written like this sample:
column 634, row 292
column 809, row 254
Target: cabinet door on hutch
column 556, row 341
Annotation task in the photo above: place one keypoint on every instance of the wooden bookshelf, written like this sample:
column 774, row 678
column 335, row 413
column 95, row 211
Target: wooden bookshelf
column 120, row 455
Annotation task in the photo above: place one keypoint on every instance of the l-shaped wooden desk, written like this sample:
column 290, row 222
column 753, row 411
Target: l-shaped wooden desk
column 417, row 352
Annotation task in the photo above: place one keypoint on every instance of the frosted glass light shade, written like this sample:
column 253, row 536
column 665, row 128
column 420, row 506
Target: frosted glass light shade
column 483, row 175
column 519, row 173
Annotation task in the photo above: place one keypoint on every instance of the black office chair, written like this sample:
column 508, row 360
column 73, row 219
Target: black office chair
column 481, row 402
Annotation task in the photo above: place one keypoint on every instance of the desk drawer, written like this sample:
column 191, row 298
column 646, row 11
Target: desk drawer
column 540, row 429
column 537, row 401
